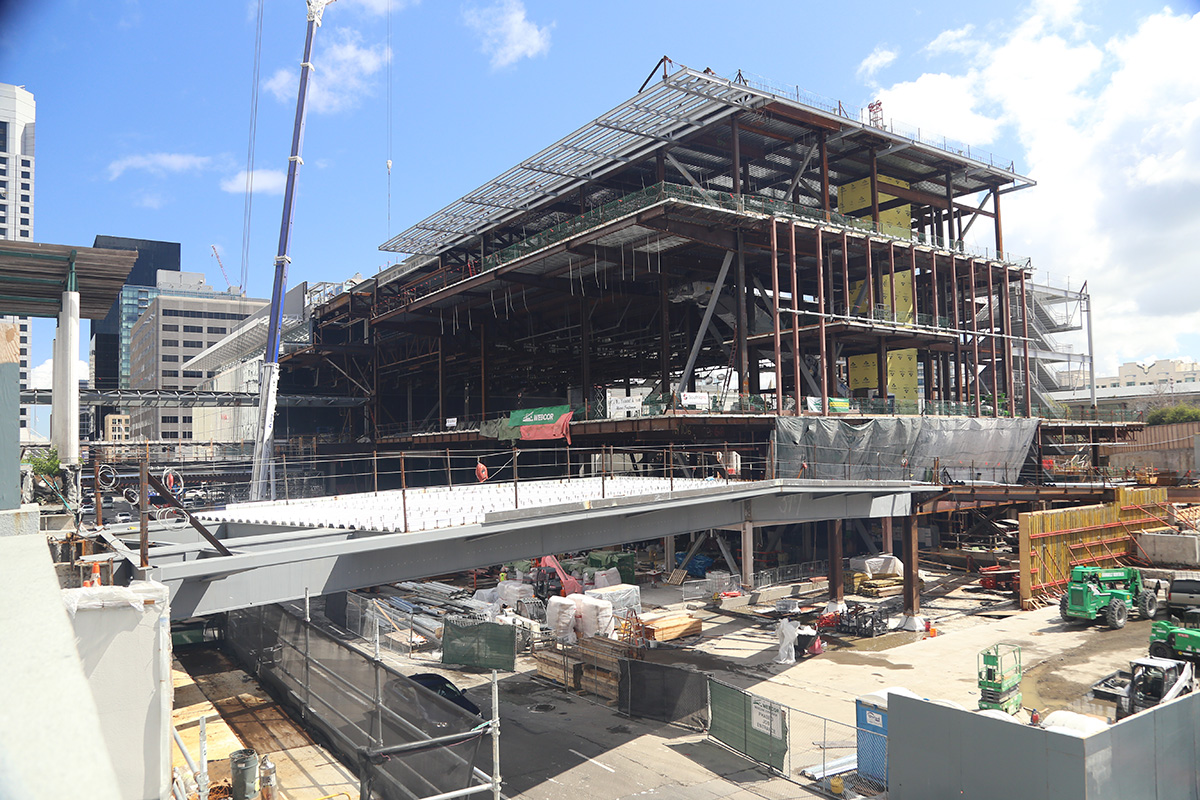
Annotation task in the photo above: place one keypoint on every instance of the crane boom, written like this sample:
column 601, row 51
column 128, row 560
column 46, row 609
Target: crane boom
column 224, row 274
column 262, row 476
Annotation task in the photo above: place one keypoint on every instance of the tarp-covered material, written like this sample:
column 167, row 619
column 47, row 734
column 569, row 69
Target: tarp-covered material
column 902, row 448
column 623, row 597
column 874, row 566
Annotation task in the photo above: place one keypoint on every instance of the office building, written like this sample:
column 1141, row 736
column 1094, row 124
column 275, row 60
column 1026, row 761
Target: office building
column 182, row 316
column 17, row 117
column 109, row 347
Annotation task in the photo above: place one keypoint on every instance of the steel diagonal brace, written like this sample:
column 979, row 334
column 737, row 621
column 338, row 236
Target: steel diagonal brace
column 195, row 523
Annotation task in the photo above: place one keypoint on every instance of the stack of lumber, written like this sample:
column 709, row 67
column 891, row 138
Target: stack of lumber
column 855, row 580
column 601, row 665
column 663, row 626
column 556, row 665
column 882, row 587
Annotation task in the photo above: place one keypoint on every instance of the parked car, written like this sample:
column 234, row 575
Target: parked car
column 1184, row 593
column 436, row 683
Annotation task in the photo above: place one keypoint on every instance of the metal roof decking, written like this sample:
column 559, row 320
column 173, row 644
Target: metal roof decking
column 669, row 112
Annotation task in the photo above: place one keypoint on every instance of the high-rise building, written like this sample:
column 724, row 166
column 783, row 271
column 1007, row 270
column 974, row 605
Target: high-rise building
column 182, row 316
column 17, row 117
column 108, row 355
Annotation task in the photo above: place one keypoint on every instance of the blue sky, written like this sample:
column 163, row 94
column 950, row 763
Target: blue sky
column 143, row 113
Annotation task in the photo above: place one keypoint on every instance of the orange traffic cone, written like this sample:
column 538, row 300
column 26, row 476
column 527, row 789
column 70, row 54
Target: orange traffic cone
column 95, row 580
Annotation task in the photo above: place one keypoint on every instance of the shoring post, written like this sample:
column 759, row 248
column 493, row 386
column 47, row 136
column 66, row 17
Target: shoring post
column 374, row 468
column 202, row 778
column 603, row 468
column 671, row 464
column 97, row 493
column 403, row 492
column 287, row 494
column 449, row 473
column 495, row 738
column 144, row 510
column 516, row 497
column 974, row 348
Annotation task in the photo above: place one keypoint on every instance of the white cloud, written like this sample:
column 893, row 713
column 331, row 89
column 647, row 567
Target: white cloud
column 42, row 376
column 879, row 58
column 341, row 75
column 957, row 40
column 151, row 200
column 266, row 181
column 379, row 7
column 1110, row 130
column 157, row 163
column 506, row 34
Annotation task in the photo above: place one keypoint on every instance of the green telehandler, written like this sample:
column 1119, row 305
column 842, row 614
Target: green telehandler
column 1108, row 593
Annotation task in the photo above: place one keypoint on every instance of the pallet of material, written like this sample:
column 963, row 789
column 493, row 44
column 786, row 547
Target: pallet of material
column 559, row 667
column 601, row 682
column 881, row 591
column 665, row 626
column 602, row 652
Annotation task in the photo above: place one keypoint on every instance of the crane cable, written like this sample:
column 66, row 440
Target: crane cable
column 389, row 118
column 250, row 147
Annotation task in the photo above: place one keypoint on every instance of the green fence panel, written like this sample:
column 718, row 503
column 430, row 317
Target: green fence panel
column 487, row 645
column 754, row 726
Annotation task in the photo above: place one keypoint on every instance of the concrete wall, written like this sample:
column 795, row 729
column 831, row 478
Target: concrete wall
column 1182, row 549
column 936, row 751
column 124, row 640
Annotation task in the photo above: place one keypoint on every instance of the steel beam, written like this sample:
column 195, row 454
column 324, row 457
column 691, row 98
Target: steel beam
column 280, row 565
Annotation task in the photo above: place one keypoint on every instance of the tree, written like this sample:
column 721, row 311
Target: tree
column 1167, row 415
column 45, row 463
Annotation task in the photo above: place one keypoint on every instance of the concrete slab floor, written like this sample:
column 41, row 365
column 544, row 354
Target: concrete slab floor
column 240, row 714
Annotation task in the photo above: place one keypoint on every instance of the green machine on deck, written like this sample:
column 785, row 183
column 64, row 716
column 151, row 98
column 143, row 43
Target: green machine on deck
column 1000, row 678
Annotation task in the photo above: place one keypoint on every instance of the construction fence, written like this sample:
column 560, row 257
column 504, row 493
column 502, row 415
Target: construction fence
column 1053, row 542
column 802, row 747
column 361, row 706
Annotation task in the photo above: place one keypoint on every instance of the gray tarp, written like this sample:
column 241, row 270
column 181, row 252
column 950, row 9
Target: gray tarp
column 902, row 448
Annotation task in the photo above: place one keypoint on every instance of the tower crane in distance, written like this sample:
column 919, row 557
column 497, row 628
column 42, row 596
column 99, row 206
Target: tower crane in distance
column 225, row 275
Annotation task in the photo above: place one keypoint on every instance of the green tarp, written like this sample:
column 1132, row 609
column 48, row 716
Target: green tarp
column 487, row 645
column 537, row 416
column 624, row 562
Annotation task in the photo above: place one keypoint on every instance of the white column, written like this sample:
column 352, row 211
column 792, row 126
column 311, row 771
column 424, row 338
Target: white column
column 64, row 414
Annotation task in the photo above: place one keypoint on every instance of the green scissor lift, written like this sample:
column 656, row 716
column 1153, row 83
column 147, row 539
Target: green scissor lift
column 1000, row 678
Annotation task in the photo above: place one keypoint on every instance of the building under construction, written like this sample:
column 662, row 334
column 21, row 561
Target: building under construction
column 813, row 261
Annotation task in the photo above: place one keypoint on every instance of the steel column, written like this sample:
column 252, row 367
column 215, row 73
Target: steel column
column 775, row 317
column 824, row 349
column 870, row 281
column 958, row 375
column 837, row 587
column 846, row 275
column 992, row 342
column 824, row 174
column 875, row 191
column 1025, row 337
column 585, row 356
column 743, row 348
column 912, row 598
column 999, row 229
column 974, row 340
column 795, row 316
column 736, row 168
column 1008, row 348
column 881, row 369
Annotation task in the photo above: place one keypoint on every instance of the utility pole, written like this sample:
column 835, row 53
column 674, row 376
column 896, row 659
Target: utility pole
column 261, row 483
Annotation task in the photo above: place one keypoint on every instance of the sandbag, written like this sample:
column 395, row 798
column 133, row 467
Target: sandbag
column 607, row 577
column 560, row 618
column 595, row 616
column 510, row 592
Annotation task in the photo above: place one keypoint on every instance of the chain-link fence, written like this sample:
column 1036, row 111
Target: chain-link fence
column 802, row 747
column 402, row 634
column 362, row 707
